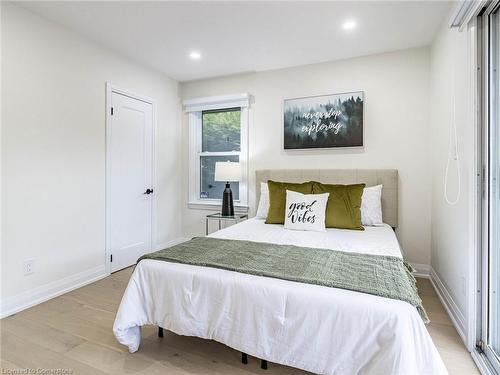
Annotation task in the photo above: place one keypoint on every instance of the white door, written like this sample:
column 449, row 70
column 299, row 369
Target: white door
column 130, row 184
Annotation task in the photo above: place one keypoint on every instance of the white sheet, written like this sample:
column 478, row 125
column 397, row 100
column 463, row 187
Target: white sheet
column 373, row 240
column 319, row 329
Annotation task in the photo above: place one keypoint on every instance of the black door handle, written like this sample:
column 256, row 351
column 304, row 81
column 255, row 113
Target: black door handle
column 149, row 191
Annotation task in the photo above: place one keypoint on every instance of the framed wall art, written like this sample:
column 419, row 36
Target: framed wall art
column 326, row 121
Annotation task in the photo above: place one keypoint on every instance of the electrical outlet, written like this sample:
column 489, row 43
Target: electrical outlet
column 29, row 266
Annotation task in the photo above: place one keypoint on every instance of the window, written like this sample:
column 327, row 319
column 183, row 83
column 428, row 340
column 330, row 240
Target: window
column 220, row 141
column 217, row 132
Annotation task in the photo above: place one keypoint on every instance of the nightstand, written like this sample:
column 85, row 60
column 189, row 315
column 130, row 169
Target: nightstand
column 236, row 218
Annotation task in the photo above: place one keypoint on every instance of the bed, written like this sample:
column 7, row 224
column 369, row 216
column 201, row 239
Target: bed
column 319, row 329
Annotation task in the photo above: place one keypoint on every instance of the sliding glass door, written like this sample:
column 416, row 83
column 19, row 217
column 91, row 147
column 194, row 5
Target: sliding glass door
column 491, row 224
column 493, row 138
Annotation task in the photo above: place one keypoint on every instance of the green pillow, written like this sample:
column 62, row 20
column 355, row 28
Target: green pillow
column 277, row 198
column 343, row 209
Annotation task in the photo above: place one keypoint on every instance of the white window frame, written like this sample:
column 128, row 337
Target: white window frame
column 194, row 108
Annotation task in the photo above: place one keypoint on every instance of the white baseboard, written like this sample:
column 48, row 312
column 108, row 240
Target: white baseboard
column 35, row 296
column 173, row 242
column 449, row 304
column 421, row 270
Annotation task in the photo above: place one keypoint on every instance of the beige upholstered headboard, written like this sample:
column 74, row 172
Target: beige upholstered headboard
column 386, row 177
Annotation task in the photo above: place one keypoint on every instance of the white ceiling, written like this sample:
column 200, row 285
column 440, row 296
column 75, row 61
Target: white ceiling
column 235, row 37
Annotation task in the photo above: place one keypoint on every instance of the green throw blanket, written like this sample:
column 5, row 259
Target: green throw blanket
column 384, row 276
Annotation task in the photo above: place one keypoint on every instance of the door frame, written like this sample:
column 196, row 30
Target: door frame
column 110, row 89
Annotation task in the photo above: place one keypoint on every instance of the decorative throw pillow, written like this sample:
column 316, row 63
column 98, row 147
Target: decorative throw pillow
column 277, row 198
column 343, row 209
column 371, row 206
column 263, row 207
column 305, row 211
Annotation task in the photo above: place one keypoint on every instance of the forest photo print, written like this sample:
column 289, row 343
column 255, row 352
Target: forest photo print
column 324, row 121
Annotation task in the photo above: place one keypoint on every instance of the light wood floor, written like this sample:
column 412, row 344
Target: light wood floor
column 74, row 332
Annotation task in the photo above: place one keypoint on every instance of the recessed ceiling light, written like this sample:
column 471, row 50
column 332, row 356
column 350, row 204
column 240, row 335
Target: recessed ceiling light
column 195, row 55
column 349, row 25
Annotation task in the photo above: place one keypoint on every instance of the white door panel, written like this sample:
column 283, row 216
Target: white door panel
column 130, row 169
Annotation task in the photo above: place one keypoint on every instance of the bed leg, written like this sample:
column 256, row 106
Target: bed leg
column 263, row 364
column 244, row 358
column 160, row 332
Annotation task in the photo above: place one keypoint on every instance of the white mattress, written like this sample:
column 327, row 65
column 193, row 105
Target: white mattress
column 319, row 329
column 373, row 240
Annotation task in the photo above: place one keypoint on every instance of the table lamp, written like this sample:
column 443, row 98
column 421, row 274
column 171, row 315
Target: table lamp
column 227, row 171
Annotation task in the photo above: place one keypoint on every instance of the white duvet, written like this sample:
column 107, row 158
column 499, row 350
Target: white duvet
column 320, row 329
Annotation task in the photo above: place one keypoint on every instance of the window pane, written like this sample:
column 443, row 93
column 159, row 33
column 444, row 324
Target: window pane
column 221, row 130
column 209, row 188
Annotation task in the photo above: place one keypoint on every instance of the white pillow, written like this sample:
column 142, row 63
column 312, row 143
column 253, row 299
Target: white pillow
column 371, row 206
column 305, row 211
column 263, row 207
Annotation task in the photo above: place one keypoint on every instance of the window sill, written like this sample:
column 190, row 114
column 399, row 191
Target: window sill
column 240, row 208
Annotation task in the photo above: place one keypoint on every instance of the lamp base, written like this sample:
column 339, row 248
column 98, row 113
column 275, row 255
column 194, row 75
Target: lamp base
column 227, row 201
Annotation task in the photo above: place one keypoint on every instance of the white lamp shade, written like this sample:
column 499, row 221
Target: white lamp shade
column 227, row 171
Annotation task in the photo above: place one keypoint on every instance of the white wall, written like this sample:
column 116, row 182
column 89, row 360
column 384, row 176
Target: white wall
column 452, row 226
column 397, row 129
column 53, row 153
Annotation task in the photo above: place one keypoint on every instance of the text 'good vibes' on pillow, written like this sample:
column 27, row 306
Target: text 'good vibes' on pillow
column 305, row 211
